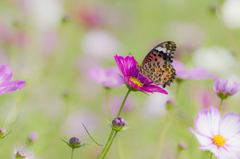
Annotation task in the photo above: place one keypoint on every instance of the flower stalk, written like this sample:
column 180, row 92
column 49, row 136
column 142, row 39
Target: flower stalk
column 220, row 109
column 111, row 137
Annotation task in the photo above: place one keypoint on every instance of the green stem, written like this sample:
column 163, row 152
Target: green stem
column 110, row 139
column 120, row 110
column 106, row 146
column 211, row 156
column 72, row 153
column 108, row 107
column 110, row 144
column 163, row 134
column 220, row 109
column 178, row 154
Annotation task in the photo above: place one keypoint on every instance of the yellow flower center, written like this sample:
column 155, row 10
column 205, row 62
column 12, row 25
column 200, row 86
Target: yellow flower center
column 219, row 140
column 136, row 81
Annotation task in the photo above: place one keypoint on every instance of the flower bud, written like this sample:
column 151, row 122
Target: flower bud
column 118, row 123
column 20, row 155
column 2, row 132
column 224, row 88
column 74, row 141
column 65, row 18
column 33, row 136
column 181, row 146
column 170, row 104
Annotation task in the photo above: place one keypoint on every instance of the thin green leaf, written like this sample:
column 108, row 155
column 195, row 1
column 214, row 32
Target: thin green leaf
column 91, row 136
column 63, row 140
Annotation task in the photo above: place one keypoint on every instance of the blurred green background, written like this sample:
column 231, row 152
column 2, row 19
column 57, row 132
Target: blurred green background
column 52, row 44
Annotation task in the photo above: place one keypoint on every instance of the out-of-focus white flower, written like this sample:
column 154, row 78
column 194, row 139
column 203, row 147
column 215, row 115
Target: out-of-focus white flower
column 156, row 105
column 186, row 35
column 231, row 13
column 44, row 13
column 100, row 44
column 215, row 58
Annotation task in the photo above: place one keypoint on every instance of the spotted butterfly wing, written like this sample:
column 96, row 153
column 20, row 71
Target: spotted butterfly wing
column 161, row 52
column 157, row 65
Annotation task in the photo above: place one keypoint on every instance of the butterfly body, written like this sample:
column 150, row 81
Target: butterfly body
column 157, row 65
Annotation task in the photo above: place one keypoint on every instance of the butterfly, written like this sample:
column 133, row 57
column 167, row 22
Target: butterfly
column 157, row 65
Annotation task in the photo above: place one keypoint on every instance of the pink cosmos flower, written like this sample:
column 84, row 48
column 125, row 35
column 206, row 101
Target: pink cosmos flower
column 220, row 136
column 224, row 88
column 193, row 74
column 115, row 102
column 133, row 79
column 5, row 85
column 107, row 78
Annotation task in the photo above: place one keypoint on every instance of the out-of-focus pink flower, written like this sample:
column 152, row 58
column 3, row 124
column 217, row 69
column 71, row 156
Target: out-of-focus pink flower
column 133, row 79
column 115, row 103
column 107, row 78
column 33, row 136
column 19, row 38
column 4, row 59
column 100, row 44
column 5, row 85
column 5, row 33
column 49, row 39
column 206, row 98
column 224, row 88
column 90, row 15
column 220, row 136
column 193, row 74
column 72, row 125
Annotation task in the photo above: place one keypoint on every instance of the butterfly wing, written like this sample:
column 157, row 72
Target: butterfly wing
column 160, row 72
column 161, row 52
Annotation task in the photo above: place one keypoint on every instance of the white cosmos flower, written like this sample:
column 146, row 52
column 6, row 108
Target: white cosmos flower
column 220, row 136
column 231, row 13
column 44, row 13
column 156, row 105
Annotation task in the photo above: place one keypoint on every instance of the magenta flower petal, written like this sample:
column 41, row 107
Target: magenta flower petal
column 5, row 74
column 5, row 85
column 155, row 88
column 133, row 79
column 11, row 86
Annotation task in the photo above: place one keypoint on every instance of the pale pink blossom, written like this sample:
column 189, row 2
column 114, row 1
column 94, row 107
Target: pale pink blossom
column 192, row 74
column 7, row 86
column 108, row 78
column 225, row 87
column 219, row 135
